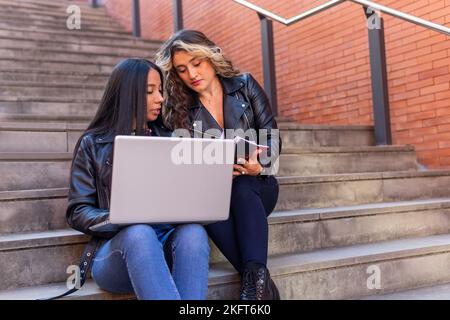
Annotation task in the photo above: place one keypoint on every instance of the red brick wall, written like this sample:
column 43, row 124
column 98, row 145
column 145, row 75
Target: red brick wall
column 322, row 64
column 156, row 16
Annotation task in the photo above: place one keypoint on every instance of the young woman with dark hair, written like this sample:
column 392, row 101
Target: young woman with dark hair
column 151, row 261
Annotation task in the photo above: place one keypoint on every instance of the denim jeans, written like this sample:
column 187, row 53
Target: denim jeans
column 135, row 261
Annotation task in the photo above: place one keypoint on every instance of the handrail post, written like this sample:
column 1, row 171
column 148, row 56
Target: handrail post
column 94, row 3
column 380, row 94
column 177, row 15
column 270, row 83
column 136, row 19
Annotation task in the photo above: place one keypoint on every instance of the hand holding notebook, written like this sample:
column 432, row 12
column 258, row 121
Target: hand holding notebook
column 245, row 148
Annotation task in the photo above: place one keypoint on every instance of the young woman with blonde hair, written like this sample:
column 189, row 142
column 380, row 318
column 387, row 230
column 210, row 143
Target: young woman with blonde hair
column 205, row 92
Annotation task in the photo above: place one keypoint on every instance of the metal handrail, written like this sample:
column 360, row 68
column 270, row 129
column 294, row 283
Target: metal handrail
column 292, row 20
column 333, row 3
column 94, row 3
column 314, row 11
column 404, row 16
column 378, row 64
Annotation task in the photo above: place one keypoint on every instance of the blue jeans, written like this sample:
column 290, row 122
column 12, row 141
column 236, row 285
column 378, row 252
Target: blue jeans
column 135, row 261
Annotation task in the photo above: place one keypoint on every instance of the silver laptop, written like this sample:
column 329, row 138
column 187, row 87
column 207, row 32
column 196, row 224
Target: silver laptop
column 169, row 180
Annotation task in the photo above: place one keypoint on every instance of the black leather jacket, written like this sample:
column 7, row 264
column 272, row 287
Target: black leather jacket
column 245, row 106
column 90, row 182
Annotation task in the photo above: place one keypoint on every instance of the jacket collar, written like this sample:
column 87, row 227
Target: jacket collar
column 231, row 85
column 105, row 138
column 233, row 109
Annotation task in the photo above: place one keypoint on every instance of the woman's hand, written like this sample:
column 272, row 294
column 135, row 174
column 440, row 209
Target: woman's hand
column 252, row 167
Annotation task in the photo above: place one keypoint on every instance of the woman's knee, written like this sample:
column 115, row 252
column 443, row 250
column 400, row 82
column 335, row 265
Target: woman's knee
column 137, row 235
column 191, row 237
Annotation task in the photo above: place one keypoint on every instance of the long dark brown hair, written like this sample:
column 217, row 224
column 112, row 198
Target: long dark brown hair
column 124, row 99
column 179, row 96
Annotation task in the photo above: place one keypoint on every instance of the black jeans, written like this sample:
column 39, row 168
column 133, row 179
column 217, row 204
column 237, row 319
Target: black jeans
column 244, row 236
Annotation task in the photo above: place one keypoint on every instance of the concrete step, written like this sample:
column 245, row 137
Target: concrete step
column 62, row 137
column 48, row 108
column 80, row 36
column 312, row 229
column 294, row 135
column 299, row 135
column 51, row 4
column 62, row 25
column 56, row 55
column 343, row 273
column 62, row 90
column 57, row 13
column 56, row 18
column 16, row 136
column 36, row 170
column 338, row 273
column 53, row 11
column 26, row 171
column 24, row 117
column 33, row 210
column 323, row 160
column 69, row 110
column 52, row 19
column 437, row 292
column 38, row 258
column 27, row 210
column 100, row 10
column 53, row 76
column 360, row 188
column 124, row 51
column 35, row 136
column 22, row 171
column 63, row 65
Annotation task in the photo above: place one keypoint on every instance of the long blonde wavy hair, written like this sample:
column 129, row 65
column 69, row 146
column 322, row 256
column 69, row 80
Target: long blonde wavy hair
column 178, row 96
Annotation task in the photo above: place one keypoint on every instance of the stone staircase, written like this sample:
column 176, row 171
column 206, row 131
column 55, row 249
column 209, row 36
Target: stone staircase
column 345, row 205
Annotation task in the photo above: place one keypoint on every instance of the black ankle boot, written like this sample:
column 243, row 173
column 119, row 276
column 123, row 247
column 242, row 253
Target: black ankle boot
column 257, row 284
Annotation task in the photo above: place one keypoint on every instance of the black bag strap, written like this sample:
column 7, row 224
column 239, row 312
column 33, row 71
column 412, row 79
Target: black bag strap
column 85, row 266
